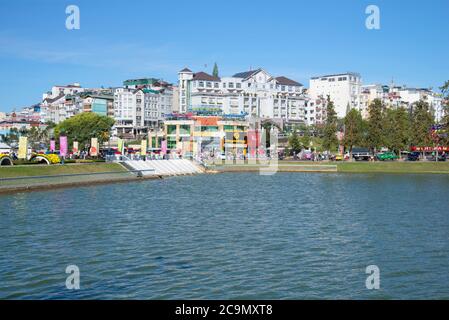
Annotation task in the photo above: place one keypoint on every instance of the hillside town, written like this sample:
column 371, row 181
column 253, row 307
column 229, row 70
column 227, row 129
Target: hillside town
column 207, row 115
column 142, row 105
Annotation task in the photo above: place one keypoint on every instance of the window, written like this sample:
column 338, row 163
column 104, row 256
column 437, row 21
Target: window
column 209, row 84
column 184, row 129
column 231, row 85
column 238, row 85
column 215, row 84
column 224, row 84
column 201, row 84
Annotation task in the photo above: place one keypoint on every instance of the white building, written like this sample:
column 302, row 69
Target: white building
column 344, row 90
column 315, row 111
column 395, row 96
column 63, row 90
column 253, row 93
column 136, row 111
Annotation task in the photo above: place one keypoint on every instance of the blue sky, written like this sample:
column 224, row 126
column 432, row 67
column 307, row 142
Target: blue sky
column 119, row 40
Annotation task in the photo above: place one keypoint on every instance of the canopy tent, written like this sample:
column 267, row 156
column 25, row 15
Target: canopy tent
column 4, row 148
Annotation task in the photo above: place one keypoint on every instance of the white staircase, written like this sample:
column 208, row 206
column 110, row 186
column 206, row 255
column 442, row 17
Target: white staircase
column 172, row 167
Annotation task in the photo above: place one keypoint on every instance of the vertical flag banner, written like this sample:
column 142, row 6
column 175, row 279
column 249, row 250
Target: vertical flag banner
column 75, row 147
column 143, row 148
column 120, row 145
column 23, row 141
column 52, row 145
column 164, row 146
column 94, row 147
column 63, row 148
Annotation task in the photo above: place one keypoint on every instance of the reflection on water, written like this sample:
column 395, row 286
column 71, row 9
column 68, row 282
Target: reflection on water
column 239, row 236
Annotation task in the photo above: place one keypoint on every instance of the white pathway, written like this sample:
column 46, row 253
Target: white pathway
column 165, row 167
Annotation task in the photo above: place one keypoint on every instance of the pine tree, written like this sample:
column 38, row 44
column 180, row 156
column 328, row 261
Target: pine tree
column 397, row 129
column 215, row 71
column 375, row 135
column 306, row 138
column 353, row 130
column 294, row 143
column 422, row 122
column 330, row 141
column 445, row 121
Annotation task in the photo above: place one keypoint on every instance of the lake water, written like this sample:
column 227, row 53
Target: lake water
column 230, row 236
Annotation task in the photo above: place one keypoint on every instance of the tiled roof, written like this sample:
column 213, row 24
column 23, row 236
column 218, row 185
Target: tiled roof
column 186, row 70
column 204, row 76
column 288, row 82
column 245, row 74
column 50, row 100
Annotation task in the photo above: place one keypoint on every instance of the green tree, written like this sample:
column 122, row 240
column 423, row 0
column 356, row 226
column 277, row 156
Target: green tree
column 375, row 134
column 85, row 126
column 422, row 122
column 38, row 136
column 215, row 71
column 294, row 143
column 445, row 121
column 353, row 124
column 397, row 129
column 306, row 137
column 330, row 141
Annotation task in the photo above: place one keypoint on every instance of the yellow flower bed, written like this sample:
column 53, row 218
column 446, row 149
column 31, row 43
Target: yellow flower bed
column 52, row 158
column 3, row 155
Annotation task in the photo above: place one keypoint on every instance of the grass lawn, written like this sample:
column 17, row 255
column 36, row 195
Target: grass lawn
column 393, row 167
column 350, row 167
column 35, row 170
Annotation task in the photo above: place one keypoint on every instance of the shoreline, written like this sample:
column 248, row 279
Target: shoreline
column 283, row 167
column 68, row 185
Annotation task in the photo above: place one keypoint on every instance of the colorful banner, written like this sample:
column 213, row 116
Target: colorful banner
column 63, row 148
column 94, row 147
column 52, row 145
column 143, row 148
column 164, row 146
column 75, row 147
column 120, row 145
column 23, row 146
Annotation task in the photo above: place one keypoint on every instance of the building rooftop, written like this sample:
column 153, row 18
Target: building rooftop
column 337, row 74
column 185, row 70
column 204, row 76
column 288, row 82
column 246, row 74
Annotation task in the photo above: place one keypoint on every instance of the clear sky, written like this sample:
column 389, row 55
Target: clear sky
column 119, row 40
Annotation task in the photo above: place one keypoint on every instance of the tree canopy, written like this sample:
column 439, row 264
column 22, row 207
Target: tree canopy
column 215, row 71
column 397, row 129
column 422, row 121
column 375, row 137
column 353, row 124
column 85, row 126
column 330, row 141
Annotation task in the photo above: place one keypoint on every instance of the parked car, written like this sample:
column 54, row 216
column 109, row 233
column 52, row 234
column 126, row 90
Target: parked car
column 441, row 157
column 413, row 156
column 306, row 156
column 339, row 157
column 361, row 154
column 384, row 156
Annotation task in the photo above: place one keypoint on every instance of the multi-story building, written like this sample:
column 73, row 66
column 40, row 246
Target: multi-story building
column 136, row 111
column 395, row 96
column 194, row 135
column 315, row 111
column 253, row 93
column 344, row 90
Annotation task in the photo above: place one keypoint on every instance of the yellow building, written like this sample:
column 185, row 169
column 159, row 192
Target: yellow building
column 206, row 134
